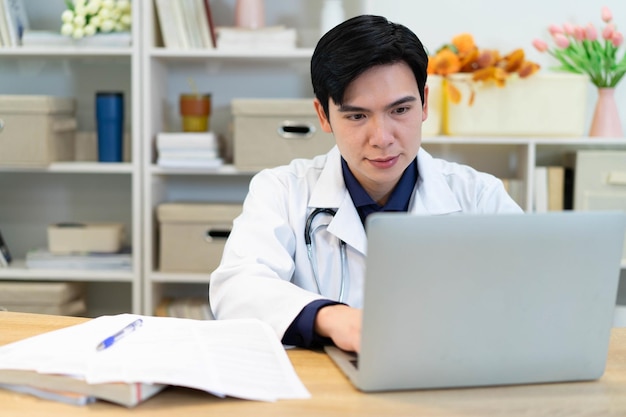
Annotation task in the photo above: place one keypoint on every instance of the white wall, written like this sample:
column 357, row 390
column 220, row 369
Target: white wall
column 502, row 25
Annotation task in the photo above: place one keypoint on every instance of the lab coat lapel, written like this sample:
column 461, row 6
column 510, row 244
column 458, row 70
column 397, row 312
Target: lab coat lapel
column 432, row 194
column 330, row 192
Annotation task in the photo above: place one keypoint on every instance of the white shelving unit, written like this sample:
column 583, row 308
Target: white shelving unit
column 33, row 198
column 152, row 79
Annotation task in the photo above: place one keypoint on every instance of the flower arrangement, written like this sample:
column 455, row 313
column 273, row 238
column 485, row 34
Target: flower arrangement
column 88, row 17
column 580, row 50
column 486, row 65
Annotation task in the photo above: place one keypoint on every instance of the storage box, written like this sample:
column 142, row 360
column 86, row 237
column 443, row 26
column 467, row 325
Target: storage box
column 66, row 238
column 553, row 104
column 272, row 132
column 36, row 130
column 193, row 235
column 600, row 181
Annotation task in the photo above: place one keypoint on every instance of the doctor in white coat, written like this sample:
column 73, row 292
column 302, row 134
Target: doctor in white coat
column 369, row 79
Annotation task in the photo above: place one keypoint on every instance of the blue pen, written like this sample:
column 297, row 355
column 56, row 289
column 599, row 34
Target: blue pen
column 117, row 336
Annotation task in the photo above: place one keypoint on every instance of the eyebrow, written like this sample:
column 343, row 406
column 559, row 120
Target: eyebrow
column 345, row 108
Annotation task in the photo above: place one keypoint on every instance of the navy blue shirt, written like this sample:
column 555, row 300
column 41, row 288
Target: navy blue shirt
column 301, row 332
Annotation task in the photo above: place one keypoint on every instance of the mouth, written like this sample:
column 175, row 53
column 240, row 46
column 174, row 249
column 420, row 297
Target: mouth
column 384, row 162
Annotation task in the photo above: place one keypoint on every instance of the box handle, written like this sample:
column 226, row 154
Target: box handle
column 617, row 178
column 296, row 130
column 213, row 234
column 1, row 125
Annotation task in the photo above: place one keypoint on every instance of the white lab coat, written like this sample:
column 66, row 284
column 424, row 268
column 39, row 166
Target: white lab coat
column 265, row 272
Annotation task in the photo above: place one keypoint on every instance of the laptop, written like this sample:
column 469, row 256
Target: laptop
column 482, row 300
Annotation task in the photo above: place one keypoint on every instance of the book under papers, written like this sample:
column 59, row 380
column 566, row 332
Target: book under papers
column 237, row 358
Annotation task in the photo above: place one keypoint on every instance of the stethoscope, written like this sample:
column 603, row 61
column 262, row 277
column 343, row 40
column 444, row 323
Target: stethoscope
column 309, row 231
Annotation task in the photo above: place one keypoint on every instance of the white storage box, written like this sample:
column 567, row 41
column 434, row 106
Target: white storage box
column 193, row 235
column 272, row 132
column 600, row 181
column 553, row 104
column 64, row 238
column 432, row 124
column 36, row 130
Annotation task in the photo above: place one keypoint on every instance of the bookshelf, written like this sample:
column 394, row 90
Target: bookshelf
column 33, row 198
column 152, row 78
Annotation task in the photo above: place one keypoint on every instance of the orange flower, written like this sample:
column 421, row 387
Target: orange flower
column 486, row 65
column 464, row 43
column 444, row 63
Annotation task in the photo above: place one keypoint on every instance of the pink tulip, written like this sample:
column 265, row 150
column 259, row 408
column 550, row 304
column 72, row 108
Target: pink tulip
column 555, row 29
column 606, row 14
column 568, row 28
column 561, row 40
column 607, row 33
column 617, row 39
column 579, row 33
column 540, row 45
column 590, row 32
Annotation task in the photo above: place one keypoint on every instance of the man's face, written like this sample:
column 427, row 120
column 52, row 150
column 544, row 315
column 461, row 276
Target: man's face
column 378, row 128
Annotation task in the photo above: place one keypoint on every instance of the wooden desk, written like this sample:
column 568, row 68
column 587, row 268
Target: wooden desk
column 332, row 394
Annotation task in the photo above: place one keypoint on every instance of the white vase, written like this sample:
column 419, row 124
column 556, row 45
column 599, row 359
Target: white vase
column 332, row 15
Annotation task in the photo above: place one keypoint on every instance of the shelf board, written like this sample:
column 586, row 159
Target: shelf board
column 180, row 277
column 518, row 140
column 75, row 167
column 223, row 170
column 67, row 51
column 18, row 271
column 178, row 54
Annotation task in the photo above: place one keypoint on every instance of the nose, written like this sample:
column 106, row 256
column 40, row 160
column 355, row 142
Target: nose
column 380, row 134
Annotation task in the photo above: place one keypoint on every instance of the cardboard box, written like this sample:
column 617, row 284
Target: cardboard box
column 551, row 104
column 192, row 235
column 66, row 238
column 36, row 130
column 600, row 181
column 272, row 132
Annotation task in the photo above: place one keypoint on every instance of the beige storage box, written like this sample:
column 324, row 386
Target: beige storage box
column 552, row 104
column 600, row 181
column 193, row 235
column 36, row 130
column 272, row 132
column 66, row 238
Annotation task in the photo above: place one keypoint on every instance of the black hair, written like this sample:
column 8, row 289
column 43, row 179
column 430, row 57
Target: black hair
column 359, row 43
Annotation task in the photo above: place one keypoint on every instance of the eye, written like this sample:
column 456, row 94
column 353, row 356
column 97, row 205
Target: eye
column 355, row 116
column 401, row 110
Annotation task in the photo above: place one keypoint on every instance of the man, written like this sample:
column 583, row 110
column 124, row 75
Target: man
column 369, row 80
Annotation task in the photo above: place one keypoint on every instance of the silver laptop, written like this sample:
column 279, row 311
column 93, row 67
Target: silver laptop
column 476, row 300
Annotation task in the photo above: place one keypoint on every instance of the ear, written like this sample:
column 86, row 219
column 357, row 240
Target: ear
column 324, row 122
column 425, row 104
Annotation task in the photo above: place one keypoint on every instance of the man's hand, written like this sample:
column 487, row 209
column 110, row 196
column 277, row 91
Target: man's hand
column 342, row 324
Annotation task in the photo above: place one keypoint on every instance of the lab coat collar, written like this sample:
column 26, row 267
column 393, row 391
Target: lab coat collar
column 432, row 193
column 330, row 192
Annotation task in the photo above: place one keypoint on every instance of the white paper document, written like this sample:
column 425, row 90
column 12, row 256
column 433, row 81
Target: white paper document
column 238, row 358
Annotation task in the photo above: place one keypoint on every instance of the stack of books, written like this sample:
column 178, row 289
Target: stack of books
column 186, row 24
column 188, row 150
column 13, row 22
column 60, row 298
column 185, row 308
column 44, row 259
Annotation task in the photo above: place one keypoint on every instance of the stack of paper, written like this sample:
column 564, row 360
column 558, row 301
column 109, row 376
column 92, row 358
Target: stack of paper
column 188, row 150
column 60, row 298
column 238, row 358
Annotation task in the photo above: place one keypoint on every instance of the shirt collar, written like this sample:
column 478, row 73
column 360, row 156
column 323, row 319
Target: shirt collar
column 398, row 201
